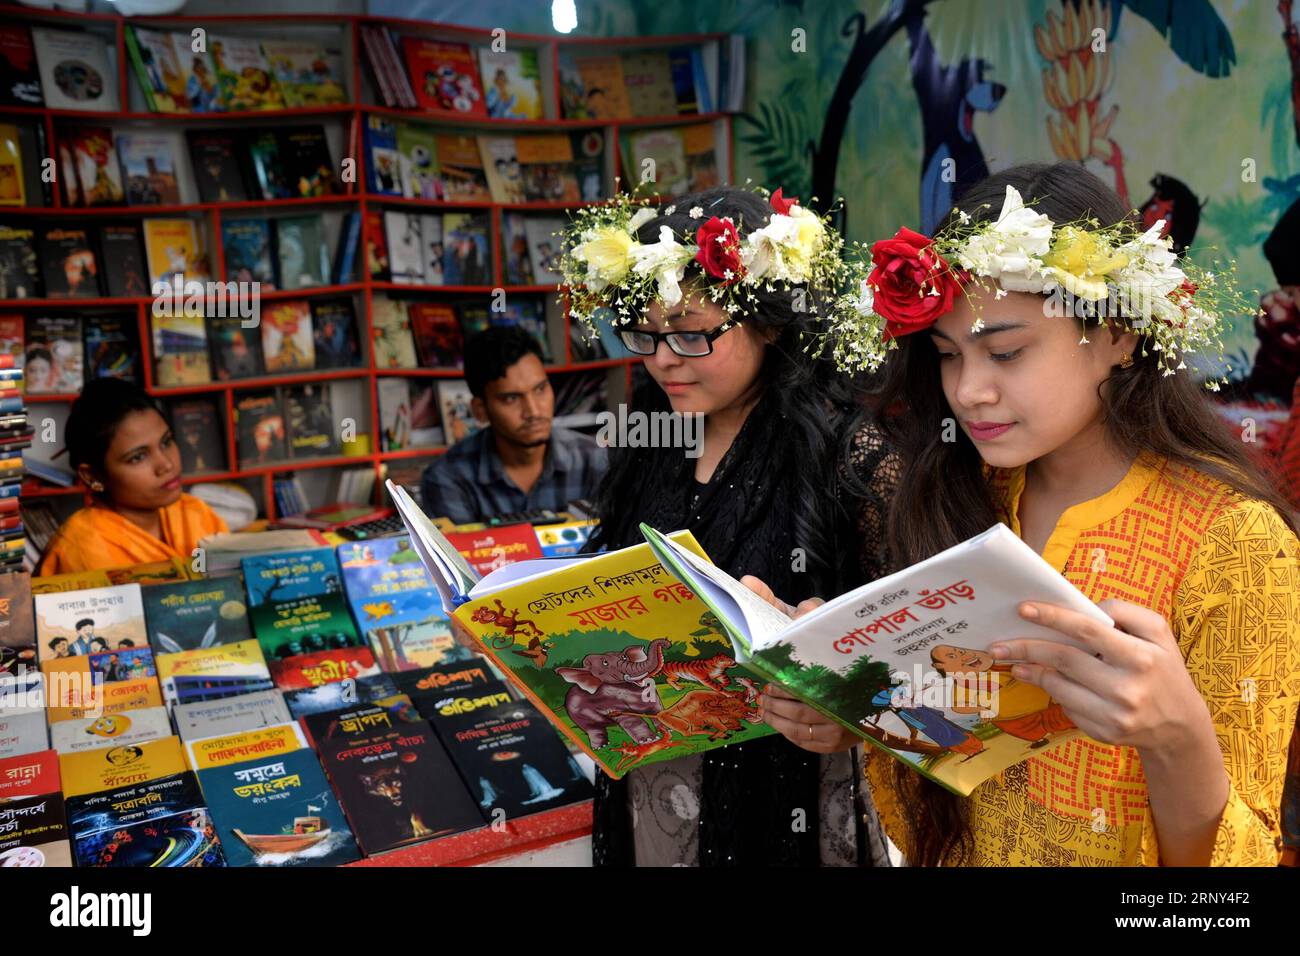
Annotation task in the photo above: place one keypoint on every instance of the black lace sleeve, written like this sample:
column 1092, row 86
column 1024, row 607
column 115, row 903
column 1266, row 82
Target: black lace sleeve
column 869, row 476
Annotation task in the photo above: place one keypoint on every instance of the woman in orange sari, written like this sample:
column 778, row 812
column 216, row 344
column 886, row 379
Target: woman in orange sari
column 123, row 450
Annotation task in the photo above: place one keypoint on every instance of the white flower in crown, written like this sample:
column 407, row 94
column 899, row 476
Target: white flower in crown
column 864, row 302
column 1151, row 274
column 784, row 249
column 666, row 260
column 1011, row 248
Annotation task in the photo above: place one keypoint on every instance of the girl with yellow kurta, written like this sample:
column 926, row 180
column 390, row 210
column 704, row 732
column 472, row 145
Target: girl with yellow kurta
column 124, row 451
column 1084, row 433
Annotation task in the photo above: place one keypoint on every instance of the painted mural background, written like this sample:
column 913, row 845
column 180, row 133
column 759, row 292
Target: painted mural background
column 1189, row 109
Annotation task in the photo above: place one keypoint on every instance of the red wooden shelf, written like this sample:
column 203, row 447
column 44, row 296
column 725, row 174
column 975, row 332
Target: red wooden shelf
column 354, row 114
column 148, row 211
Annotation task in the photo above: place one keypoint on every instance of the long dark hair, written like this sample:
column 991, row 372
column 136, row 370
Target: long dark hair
column 943, row 497
column 805, row 391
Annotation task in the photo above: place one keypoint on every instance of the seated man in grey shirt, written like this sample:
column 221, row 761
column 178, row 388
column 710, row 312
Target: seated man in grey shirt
column 520, row 462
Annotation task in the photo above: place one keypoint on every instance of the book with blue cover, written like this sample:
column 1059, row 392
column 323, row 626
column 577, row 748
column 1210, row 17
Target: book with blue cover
column 247, row 245
column 160, row 822
column 296, row 602
column 396, row 606
column 338, row 695
column 278, row 811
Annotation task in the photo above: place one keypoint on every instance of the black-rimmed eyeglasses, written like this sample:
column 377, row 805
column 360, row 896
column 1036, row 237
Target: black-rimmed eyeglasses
column 685, row 344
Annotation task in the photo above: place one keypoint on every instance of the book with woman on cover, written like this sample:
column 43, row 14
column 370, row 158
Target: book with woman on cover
column 653, row 652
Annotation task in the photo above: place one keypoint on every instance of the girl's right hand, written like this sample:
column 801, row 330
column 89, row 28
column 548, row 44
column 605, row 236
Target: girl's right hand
column 765, row 592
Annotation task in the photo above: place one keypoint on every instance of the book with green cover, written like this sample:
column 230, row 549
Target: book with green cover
column 296, row 603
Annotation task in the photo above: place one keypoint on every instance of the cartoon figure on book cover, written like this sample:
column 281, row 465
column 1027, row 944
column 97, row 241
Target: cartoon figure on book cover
column 1023, row 710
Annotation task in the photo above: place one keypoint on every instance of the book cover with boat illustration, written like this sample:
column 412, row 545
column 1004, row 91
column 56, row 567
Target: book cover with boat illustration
column 278, row 811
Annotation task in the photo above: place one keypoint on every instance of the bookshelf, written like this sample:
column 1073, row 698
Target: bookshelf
column 354, row 391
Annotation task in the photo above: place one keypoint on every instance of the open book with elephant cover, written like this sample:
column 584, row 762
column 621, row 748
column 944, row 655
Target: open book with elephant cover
column 652, row 652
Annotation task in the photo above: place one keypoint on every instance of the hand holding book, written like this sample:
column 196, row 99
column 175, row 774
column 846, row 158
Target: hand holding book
column 790, row 717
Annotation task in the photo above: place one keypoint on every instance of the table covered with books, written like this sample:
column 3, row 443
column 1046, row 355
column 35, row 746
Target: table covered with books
column 299, row 706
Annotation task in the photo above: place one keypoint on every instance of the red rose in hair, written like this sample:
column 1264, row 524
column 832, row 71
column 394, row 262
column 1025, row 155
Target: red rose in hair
column 781, row 204
column 907, row 270
column 719, row 250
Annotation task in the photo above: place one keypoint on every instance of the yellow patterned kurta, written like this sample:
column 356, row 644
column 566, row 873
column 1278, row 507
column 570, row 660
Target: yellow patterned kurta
column 1225, row 572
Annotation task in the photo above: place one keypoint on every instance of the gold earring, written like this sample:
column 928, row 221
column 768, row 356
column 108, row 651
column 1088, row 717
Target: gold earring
column 1126, row 360
column 96, row 486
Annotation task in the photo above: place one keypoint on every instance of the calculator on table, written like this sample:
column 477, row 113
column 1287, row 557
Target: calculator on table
column 379, row 528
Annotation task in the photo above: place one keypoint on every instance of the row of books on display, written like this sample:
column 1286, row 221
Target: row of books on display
column 98, row 167
column 428, row 249
column 416, row 72
column 411, row 333
column 15, row 436
column 419, row 161
column 60, row 353
column 310, row 709
column 73, row 69
column 68, row 259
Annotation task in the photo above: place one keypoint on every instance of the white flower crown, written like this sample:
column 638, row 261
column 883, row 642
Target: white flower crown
column 609, row 273
column 910, row 280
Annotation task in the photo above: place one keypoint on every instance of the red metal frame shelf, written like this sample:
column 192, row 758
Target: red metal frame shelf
column 354, row 114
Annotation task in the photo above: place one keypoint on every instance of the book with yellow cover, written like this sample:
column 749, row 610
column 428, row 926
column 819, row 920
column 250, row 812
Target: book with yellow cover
column 152, row 572
column 93, row 771
column 214, row 673
column 621, row 657
column 76, row 581
column 104, row 699
column 266, row 743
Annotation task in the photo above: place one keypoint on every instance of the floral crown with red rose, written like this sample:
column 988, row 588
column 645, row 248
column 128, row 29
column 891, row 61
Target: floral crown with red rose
column 1118, row 272
column 612, row 276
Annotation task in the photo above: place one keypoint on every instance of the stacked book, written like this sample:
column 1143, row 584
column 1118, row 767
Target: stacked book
column 15, row 435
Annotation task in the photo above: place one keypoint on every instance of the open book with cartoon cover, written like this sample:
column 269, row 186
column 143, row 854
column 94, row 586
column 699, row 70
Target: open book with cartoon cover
column 619, row 655
column 903, row 661
column 653, row 652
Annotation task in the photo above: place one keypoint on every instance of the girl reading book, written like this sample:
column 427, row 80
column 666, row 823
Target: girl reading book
column 1037, row 353
column 715, row 291
column 124, row 451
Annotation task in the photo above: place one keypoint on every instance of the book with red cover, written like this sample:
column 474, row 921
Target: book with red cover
column 493, row 548
column 337, row 515
column 438, row 338
column 444, row 76
column 323, row 667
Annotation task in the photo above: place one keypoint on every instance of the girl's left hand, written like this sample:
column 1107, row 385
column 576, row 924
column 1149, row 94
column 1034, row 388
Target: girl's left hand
column 1130, row 687
column 803, row 726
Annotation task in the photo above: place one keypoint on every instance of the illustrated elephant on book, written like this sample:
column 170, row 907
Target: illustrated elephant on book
column 612, row 688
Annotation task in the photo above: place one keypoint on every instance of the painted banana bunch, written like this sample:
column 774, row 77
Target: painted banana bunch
column 1075, row 80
